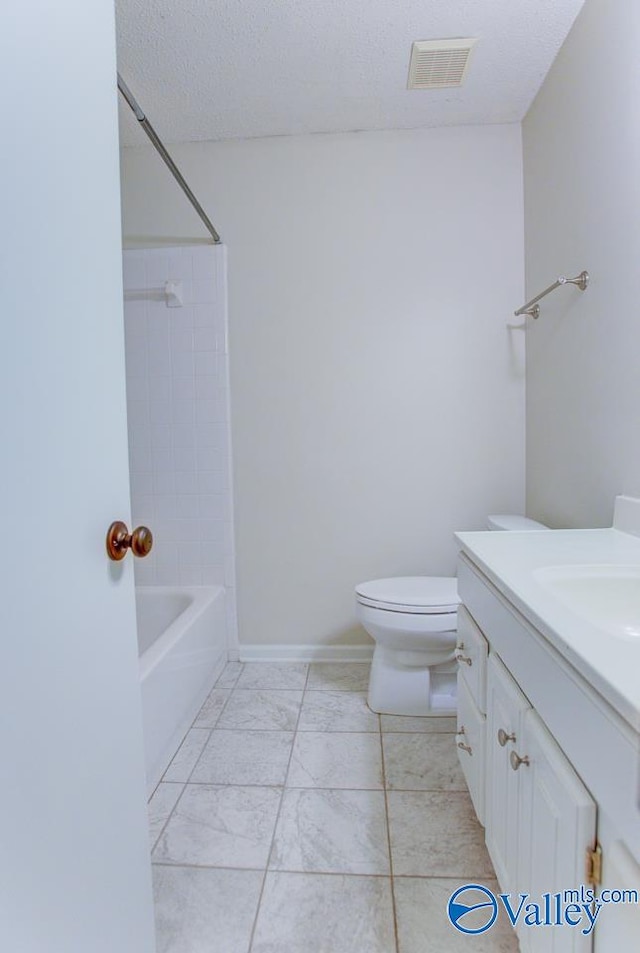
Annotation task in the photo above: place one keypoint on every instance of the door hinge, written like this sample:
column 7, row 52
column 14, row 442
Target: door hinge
column 593, row 865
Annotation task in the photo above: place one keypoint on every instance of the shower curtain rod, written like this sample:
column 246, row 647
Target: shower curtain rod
column 157, row 142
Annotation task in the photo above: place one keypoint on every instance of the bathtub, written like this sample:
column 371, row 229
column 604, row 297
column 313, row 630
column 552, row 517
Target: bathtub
column 182, row 641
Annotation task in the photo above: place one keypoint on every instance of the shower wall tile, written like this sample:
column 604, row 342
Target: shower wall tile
column 178, row 407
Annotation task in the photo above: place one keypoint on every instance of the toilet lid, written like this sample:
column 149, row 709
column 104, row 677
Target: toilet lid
column 411, row 594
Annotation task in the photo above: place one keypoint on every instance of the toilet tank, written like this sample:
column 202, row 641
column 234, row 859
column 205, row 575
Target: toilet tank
column 505, row 521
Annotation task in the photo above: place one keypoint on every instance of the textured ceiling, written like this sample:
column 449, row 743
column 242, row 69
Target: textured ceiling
column 226, row 69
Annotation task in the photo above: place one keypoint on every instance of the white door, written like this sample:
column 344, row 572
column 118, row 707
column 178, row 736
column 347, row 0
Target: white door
column 558, row 825
column 505, row 709
column 74, row 862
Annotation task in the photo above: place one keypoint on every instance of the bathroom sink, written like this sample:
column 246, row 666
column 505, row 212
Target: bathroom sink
column 608, row 596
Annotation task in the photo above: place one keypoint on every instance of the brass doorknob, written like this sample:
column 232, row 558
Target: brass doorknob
column 119, row 541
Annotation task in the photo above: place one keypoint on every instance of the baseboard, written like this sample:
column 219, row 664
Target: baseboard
column 305, row 653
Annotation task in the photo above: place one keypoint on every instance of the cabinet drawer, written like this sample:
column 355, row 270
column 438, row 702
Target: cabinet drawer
column 470, row 740
column 471, row 652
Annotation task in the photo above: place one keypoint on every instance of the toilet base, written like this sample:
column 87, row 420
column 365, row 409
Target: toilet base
column 398, row 689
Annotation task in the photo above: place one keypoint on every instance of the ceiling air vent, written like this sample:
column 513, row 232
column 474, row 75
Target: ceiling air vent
column 436, row 64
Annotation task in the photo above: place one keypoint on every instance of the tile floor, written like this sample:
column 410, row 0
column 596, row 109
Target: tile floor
column 294, row 820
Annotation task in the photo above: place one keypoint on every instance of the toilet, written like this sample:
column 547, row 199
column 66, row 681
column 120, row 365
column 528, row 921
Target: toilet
column 413, row 620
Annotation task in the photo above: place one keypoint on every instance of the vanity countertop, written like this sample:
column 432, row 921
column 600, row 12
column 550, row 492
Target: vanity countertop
column 512, row 561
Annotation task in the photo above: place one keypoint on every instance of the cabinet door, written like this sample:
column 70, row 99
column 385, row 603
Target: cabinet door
column 506, row 706
column 557, row 826
column 470, row 742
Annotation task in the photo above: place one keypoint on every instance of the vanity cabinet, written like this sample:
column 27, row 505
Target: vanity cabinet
column 561, row 762
column 471, row 652
column 531, row 772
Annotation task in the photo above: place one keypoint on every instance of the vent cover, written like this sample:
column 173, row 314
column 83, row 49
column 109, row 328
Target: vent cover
column 436, row 64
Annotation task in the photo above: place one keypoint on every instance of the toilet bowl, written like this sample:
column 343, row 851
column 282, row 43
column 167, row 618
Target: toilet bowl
column 413, row 620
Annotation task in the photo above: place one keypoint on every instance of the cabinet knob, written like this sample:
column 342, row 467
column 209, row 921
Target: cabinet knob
column 516, row 760
column 503, row 737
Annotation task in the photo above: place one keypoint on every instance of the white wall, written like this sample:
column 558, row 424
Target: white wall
column 582, row 210
column 377, row 393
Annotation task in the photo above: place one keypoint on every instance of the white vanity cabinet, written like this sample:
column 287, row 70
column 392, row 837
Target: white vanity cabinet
column 471, row 652
column 559, row 611
column 556, row 772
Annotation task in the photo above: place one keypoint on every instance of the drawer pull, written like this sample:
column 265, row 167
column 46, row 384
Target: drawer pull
column 503, row 737
column 465, row 747
column 464, row 658
column 461, row 744
column 516, row 760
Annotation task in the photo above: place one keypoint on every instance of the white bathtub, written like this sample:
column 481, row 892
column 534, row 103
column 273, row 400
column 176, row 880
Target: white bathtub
column 182, row 639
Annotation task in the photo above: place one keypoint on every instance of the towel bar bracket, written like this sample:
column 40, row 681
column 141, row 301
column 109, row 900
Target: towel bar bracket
column 532, row 308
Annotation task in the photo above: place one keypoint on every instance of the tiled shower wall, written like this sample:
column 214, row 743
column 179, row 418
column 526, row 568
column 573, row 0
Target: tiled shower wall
column 178, row 409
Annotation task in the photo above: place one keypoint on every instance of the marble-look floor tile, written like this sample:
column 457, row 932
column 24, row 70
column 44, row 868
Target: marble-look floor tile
column 287, row 675
column 339, row 676
column 324, row 913
column 422, row 762
column 431, row 724
column 436, row 834
column 205, row 911
column 337, row 711
column 245, row 757
column 423, row 925
column 331, row 831
column 275, row 710
column 159, row 808
column 226, row 826
column 187, row 755
column 336, row 760
column 230, row 675
column 212, row 708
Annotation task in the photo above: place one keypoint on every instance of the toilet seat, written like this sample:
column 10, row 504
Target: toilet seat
column 418, row 595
